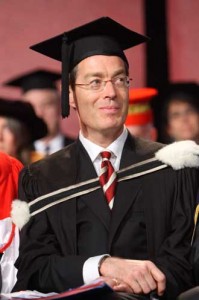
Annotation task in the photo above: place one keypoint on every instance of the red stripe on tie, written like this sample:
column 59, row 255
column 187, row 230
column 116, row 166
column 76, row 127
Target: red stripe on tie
column 108, row 179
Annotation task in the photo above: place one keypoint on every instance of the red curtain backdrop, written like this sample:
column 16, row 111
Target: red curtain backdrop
column 183, row 41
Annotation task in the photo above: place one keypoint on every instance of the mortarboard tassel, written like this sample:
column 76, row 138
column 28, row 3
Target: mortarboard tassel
column 65, row 78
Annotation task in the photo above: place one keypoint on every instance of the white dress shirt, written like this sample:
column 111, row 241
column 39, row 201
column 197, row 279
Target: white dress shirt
column 53, row 145
column 90, row 267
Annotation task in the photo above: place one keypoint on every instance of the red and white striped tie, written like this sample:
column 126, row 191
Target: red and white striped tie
column 108, row 178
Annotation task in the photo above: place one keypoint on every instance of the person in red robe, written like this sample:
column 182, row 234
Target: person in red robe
column 9, row 240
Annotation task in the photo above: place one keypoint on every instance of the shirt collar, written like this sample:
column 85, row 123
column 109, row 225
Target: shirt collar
column 115, row 147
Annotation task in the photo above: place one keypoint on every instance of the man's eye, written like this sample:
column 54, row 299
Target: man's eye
column 120, row 79
column 95, row 82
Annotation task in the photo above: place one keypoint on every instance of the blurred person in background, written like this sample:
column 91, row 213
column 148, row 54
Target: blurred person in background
column 19, row 128
column 181, row 112
column 139, row 120
column 39, row 89
column 9, row 236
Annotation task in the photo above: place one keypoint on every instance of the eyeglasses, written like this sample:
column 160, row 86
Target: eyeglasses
column 99, row 84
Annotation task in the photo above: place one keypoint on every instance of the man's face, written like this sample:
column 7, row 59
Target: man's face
column 104, row 111
column 183, row 121
column 8, row 144
column 47, row 106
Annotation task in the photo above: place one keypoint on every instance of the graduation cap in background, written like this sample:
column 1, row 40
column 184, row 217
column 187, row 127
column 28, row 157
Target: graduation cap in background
column 103, row 36
column 140, row 111
column 24, row 112
column 36, row 79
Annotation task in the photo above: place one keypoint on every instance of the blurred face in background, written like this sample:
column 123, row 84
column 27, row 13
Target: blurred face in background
column 46, row 104
column 183, row 121
column 7, row 138
column 14, row 136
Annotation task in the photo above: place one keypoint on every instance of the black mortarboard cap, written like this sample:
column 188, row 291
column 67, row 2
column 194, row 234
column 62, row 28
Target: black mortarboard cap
column 24, row 112
column 36, row 79
column 103, row 36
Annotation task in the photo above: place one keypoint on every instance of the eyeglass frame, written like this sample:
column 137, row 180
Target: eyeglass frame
column 104, row 82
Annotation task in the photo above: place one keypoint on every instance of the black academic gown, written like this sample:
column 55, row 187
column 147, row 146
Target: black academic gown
column 152, row 218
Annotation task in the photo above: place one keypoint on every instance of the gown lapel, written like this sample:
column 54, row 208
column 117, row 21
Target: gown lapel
column 94, row 200
column 127, row 191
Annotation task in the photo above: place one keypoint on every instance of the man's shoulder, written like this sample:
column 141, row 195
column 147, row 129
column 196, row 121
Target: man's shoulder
column 178, row 155
column 147, row 148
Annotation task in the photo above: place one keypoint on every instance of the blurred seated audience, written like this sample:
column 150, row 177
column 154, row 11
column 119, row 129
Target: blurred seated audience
column 9, row 237
column 39, row 89
column 19, row 128
column 139, row 120
column 181, row 112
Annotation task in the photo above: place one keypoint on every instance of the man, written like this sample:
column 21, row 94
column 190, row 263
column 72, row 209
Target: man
column 136, row 238
column 140, row 119
column 181, row 112
column 39, row 89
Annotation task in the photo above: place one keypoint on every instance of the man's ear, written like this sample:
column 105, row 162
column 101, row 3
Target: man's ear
column 72, row 101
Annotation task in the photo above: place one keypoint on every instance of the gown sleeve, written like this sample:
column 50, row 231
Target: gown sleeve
column 42, row 263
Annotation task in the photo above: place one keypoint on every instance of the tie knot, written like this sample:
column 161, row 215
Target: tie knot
column 105, row 154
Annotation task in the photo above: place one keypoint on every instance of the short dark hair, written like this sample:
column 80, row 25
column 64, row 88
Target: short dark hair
column 73, row 75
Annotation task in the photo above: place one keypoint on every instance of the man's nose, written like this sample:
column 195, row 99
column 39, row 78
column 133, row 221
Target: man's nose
column 110, row 89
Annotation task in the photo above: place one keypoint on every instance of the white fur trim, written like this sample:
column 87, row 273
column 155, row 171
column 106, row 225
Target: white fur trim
column 180, row 155
column 20, row 213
